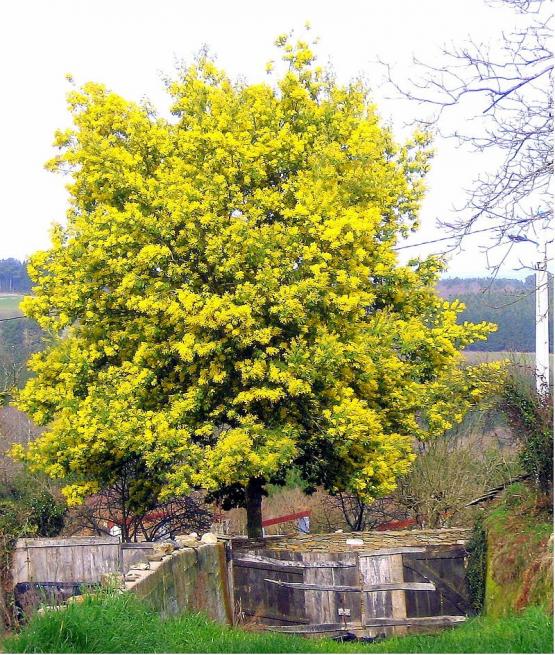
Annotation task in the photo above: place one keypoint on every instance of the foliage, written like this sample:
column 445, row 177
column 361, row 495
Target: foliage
column 519, row 527
column 121, row 624
column 18, row 341
column 448, row 474
column 226, row 294
column 476, row 566
column 28, row 508
column 531, row 416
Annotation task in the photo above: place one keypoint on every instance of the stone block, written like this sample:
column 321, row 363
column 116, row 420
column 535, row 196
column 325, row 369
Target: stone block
column 140, row 566
column 209, row 538
column 187, row 541
column 160, row 549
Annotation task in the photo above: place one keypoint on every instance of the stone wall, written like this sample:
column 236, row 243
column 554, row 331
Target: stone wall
column 338, row 542
column 189, row 579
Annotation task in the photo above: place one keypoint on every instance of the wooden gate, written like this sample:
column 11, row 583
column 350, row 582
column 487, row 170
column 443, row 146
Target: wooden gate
column 368, row 592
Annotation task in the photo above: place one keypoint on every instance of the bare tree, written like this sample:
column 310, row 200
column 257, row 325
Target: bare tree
column 361, row 516
column 112, row 507
column 510, row 86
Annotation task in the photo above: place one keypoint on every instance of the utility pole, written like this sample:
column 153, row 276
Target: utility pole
column 542, row 327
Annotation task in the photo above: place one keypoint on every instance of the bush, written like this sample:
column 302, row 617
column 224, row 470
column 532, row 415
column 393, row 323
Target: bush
column 531, row 417
column 28, row 508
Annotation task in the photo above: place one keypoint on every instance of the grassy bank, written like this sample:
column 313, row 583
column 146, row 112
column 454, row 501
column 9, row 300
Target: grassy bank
column 520, row 552
column 9, row 305
column 121, row 624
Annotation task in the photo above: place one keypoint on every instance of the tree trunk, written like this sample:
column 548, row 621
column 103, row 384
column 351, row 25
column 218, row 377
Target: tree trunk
column 253, row 506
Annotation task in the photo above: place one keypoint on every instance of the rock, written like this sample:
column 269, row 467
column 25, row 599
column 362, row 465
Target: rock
column 112, row 580
column 51, row 608
column 209, row 538
column 186, row 541
column 131, row 577
column 194, row 534
column 75, row 599
column 160, row 549
column 140, row 566
column 354, row 542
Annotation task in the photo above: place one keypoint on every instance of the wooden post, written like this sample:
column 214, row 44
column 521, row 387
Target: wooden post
column 398, row 601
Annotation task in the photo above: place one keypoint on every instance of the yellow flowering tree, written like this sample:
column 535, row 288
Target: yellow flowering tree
column 225, row 300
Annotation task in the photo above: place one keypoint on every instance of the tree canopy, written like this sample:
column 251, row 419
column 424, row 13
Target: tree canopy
column 226, row 295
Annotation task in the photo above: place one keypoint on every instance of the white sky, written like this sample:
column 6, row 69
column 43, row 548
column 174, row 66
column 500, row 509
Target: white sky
column 127, row 44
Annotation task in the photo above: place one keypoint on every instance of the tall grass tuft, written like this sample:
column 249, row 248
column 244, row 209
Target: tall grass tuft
column 122, row 624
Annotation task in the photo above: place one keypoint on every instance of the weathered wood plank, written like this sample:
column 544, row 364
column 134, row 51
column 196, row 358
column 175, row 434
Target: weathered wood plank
column 383, row 586
column 80, row 559
column 401, row 586
column 392, row 551
column 272, row 561
column 314, row 587
column 416, row 620
column 374, row 571
column 314, row 628
column 276, row 616
column 273, row 568
column 321, row 606
column 68, row 542
column 398, row 602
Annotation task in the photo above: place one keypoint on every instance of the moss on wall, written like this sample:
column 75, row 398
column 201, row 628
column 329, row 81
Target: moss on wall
column 191, row 579
column 519, row 570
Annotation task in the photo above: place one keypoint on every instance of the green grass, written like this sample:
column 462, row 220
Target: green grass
column 122, row 624
column 519, row 570
column 9, row 305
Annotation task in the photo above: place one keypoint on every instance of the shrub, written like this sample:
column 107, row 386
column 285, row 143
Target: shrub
column 530, row 415
column 476, row 568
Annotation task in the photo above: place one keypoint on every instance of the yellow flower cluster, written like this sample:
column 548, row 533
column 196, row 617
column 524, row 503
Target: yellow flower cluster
column 225, row 301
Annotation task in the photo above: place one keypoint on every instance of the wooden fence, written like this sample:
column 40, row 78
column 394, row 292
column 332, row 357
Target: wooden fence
column 73, row 560
column 365, row 591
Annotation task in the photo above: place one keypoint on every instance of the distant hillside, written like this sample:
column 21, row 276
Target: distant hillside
column 508, row 303
column 451, row 287
column 13, row 276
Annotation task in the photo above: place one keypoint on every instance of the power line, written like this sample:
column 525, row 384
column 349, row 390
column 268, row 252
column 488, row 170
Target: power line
column 11, row 318
column 425, row 243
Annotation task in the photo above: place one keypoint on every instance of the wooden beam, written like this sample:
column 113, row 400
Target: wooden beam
column 392, row 551
column 383, row 586
column 313, row 587
column 401, row 586
column 315, row 628
column 398, row 598
column 273, row 616
column 416, row 620
column 259, row 559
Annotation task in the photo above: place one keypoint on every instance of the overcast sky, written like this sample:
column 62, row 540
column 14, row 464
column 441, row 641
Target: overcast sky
column 129, row 44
